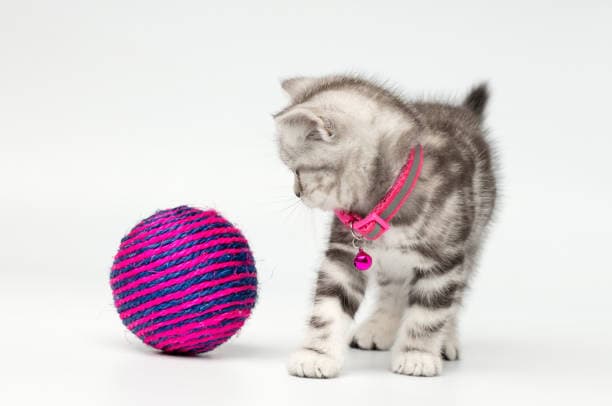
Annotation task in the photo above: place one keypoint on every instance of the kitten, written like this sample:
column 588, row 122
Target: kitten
column 346, row 140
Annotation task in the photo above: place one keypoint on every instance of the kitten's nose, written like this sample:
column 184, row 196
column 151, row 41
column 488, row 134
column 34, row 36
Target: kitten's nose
column 297, row 185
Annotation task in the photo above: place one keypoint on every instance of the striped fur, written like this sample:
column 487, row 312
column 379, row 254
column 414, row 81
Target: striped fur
column 346, row 139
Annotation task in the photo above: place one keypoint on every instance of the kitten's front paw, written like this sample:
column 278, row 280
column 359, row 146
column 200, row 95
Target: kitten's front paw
column 416, row 363
column 375, row 334
column 309, row 363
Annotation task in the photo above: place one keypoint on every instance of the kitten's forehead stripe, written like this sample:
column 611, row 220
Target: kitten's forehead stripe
column 315, row 168
column 298, row 120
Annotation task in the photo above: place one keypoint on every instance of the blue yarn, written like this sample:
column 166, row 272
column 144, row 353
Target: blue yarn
column 219, row 273
column 175, row 262
column 205, row 347
column 204, row 335
column 197, row 319
column 160, row 215
column 167, row 227
column 208, row 276
column 202, row 307
column 168, row 241
column 164, row 254
column 144, row 299
column 187, row 298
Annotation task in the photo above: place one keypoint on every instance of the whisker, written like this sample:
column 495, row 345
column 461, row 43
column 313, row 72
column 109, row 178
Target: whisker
column 287, row 211
column 293, row 207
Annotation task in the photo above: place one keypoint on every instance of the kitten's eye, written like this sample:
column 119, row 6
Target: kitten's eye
column 314, row 135
column 318, row 135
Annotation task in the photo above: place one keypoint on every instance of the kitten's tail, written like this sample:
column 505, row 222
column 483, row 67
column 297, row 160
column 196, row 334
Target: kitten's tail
column 477, row 98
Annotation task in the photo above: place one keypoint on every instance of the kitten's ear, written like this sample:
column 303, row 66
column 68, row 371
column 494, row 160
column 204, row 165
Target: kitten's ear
column 298, row 85
column 311, row 125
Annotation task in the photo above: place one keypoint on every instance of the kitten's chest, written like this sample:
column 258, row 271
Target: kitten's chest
column 392, row 256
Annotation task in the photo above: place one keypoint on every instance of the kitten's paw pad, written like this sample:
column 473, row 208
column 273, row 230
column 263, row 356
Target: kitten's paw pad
column 450, row 351
column 309, row 363
column 416, row 363
column 374, row 336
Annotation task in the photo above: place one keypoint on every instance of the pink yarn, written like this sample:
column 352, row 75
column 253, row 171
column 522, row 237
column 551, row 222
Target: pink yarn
column 184, row 280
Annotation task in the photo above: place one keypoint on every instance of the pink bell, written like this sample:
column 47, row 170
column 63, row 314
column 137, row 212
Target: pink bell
column 362, row 261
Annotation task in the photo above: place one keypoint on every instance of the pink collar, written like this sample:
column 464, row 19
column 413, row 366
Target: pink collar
column 377, row 221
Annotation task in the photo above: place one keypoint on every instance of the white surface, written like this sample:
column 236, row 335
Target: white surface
column 109, row 112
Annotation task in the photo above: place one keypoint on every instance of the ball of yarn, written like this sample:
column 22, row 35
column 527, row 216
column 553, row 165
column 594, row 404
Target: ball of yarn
column 184, row 280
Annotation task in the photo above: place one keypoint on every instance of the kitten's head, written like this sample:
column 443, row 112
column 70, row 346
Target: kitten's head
column 329, row 137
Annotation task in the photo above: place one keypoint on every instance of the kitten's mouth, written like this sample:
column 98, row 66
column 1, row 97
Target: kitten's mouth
column 323, row 203
column 297, row 185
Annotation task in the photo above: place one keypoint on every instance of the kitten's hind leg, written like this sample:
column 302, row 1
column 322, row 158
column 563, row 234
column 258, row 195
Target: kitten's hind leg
column 433, row 302
column 450, row 347
column 379, row 330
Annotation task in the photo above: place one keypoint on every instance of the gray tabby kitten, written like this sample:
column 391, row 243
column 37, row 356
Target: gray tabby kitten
column 346, row 139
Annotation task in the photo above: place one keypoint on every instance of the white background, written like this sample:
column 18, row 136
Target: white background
column 110, row 110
